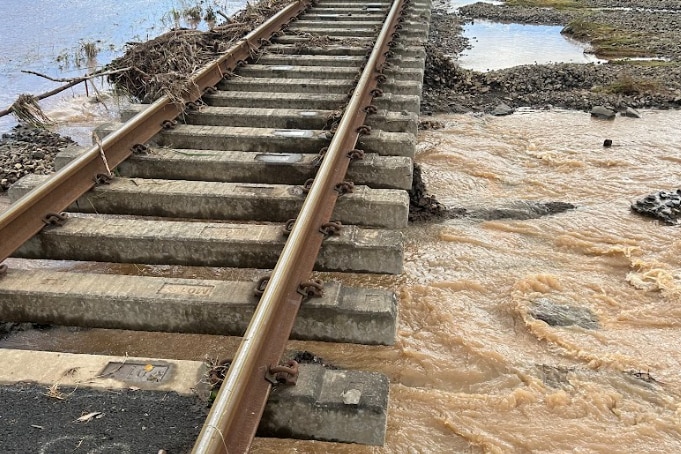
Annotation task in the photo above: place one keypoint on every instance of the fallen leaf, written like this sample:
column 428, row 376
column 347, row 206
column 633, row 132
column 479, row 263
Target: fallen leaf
column 37, row 426
column 89, row 416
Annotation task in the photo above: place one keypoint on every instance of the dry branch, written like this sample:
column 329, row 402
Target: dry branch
column 22, row 99
column 76, row 80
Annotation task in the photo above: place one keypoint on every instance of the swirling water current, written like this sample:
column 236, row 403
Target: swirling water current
column 473, row 370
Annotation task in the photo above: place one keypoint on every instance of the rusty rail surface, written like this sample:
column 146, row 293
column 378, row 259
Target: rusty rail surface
column 233, row 420
column 28, row 216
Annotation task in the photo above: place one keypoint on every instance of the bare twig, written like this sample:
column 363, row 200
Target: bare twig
column 101, row 154
column 76, row 79
column 226, row 17
column 54, row 393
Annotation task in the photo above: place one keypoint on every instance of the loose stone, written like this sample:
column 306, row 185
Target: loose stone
column 602, row 112
column 502, row 110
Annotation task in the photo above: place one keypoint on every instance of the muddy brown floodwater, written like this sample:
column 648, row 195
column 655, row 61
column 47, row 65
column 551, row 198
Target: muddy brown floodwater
column 475, row 368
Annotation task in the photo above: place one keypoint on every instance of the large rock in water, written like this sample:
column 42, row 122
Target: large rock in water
column 663, row 205
column 520, row 210
column 602, row 112
column 563, row 315
column 502, row 109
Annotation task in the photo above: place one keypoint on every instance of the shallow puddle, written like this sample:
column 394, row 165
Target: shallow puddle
column 456, row 4
column 499, row 46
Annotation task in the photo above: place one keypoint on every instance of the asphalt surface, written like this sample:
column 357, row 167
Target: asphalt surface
column 127, row 421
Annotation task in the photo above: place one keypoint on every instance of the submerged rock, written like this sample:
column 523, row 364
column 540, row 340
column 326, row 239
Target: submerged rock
column 563, row 315
column 521, row 210
column 631, row 113
column 554, row 376
column 7, row 328
column 602, row 112
column 426, row 125
column 663, row 205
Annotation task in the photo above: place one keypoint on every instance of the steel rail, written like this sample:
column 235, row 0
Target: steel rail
column 238, row 407
column 25, row 218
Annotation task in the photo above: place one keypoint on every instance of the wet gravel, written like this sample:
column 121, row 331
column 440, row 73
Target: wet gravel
column 27, row 150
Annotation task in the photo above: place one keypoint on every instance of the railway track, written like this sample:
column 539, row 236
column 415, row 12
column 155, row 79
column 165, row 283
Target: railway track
column 300, row 160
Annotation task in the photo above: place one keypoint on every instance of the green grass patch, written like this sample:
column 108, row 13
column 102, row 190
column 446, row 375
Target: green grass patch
column 558, row 4
column 632, row 86
column 606, row 40
column 646, row 63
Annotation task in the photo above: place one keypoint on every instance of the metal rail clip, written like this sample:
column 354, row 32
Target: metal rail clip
column 287, row 374
column 317, row 161
column 169, row 124
column 330, row 228
column 288, row 227
column 260, row 286
column 307, row 185
column 55, row 218
column 103, row 178
column 356, row 155
column 346, row 187
column 140, row 149
column 312, row 288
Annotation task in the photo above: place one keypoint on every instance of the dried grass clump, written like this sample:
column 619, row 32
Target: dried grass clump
column 164, row 65
column 90, row 50
column 27, row 111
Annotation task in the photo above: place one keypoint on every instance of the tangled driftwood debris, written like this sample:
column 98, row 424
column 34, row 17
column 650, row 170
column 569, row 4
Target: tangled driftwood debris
column 164, row 65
